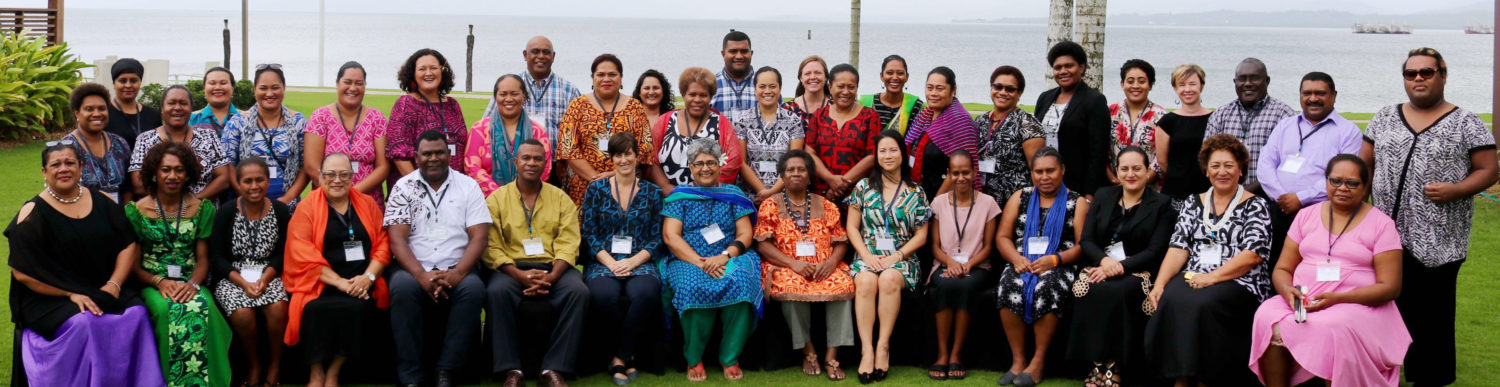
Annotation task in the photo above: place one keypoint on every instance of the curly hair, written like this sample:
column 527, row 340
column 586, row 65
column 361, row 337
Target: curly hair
column 697, row 76
column 1142, row 65
column 85, row 90
column 1229, row 143
column 152, row 164
column 1067, row 48
column 407, row 77
column 1013, row 72
column 667, row 104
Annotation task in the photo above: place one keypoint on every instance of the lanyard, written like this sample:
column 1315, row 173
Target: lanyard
column 269, row 140
column 346, row 219
column 170, row 232
column 135, row 130
column 962, row 227
column 1315, row 129
column 98, row 166
column 540, row 91
column 530, row 211
column 1249, row 119
column 1334, row 239
column 888, row 208
column 749, row 79
column 1121, row 224
column 434, row 197
column 438, row 110
column 351, row 129
column 609, row 115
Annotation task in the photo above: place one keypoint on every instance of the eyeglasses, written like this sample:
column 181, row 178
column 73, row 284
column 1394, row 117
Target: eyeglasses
column 539, row 51
column 336, row 176
column 268, row 66
column 1004, row 88
column 1351, row 183
column 1426, row 73
column 703, row 164
column 1248, row 78
column 65, row 141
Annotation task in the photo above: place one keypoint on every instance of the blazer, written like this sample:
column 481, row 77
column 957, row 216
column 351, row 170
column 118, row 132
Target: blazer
column 1082, row 137
column 1146, row 234
column 221, row 244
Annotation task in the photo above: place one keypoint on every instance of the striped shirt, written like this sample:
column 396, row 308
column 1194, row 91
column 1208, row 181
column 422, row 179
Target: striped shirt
column 547, row 100
column 733, row 97
column 1253, row 126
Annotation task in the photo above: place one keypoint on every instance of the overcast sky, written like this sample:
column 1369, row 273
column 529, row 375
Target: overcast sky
column 822, row 10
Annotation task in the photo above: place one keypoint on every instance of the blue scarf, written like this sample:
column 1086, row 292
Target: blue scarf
column 502, row 149
column 728, row 194
column 1052, row 228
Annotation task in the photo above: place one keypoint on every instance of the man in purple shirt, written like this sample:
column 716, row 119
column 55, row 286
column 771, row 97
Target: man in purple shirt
column 1291, row 163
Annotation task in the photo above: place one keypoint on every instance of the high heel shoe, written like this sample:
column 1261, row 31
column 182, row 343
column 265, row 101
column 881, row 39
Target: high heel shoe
column 864, row 378
column 879, row 375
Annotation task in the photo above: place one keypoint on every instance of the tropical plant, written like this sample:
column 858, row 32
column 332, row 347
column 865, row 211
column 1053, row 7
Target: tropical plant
column 35, row 81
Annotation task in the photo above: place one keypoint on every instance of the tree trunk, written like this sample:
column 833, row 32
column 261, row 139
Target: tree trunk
column 1090, row 18
column 1059, row 28
column 854, row 33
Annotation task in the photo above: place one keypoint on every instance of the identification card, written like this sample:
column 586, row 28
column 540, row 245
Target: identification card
column 987, row 166
column 1328, row 272
column 806, row 248
column 252, row 273
column 533, row 246
column 1209, row 255
column 962, row 259
column 885, row 244
column 452, row 150
column 354, row 251
column 621, row 244
column 174, row 271
column 1117, row 251
column 603, row 144
column 711, row 233
column 911, row 160
column 275, row 172
column 1292, row 165
column 1037, row 244
column 354, row 165
column 765, row 166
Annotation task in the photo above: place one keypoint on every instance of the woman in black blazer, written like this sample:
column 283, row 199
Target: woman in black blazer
column 1125, row 236
column 1076, row 119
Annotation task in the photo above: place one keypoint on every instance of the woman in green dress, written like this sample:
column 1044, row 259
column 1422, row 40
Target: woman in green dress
column 173, row 229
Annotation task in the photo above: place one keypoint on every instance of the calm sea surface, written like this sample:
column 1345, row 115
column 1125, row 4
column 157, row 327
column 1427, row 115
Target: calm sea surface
column 1366, row 68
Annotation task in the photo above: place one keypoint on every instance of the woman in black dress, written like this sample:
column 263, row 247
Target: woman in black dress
column 1179, row 136
column 1124, row 238
column 245, row 253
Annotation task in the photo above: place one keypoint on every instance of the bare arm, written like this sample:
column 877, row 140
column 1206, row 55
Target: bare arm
column 1163, row 142
column 219, row 183
column 376, row 176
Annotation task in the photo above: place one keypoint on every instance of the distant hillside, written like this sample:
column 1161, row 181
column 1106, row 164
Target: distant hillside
column 1452, row 19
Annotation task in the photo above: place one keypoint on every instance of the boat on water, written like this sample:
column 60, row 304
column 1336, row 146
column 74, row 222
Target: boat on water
column 1399, row 29
column 1479, row 29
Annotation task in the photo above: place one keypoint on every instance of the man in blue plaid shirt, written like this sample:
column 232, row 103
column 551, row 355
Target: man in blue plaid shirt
column 549, row 94
column 1252, row 116
column 736, row 87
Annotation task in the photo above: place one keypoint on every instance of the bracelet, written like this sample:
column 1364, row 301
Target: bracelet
column 737, row 245
column 1054, row 260
column 370, row 276
column 112, row 282
column 156, row 280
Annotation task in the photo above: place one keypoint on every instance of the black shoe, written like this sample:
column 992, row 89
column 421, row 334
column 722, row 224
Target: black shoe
column 444, row 378
column 879, row 375
column 864, row 378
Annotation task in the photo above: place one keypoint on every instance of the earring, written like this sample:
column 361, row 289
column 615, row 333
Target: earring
column 1179, row 101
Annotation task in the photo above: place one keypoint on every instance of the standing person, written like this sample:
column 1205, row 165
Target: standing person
column 655, row 94
column 272, row 132
column 350, row 127
column 887, row 225
column 1426, row 180
column 624, row 235
column 437, row 224
column 1133, row 121
column 941, row 129
column 1075, row 118
column 1008, row 137
column 1213, row 277
column 494, row 138
column 104, row 155
column 128, row 118
column 896, row 107
column 1179, row 136
column 804, row 246
column 713, row 274
column 961, row 250
column 218, row 90
column 842, row 136
column 1038, row 238
column 768, row 133
column 246, row 253
column 1292, row 161
column 427, row 80
column 1351, row 331
column 548, row 96
column 191, row 335
column 583, row 134
column 71, row 248
column 1124, row 238
column 735, row 87
column 208, row 152
column 533, row 245
column 696, row 120
column 1251, row 117
column 812, row 89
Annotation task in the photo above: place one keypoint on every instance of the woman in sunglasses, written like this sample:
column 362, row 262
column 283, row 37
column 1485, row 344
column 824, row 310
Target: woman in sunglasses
column 1008, row 136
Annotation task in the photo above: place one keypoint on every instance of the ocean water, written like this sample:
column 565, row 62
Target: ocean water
column 1365, row 68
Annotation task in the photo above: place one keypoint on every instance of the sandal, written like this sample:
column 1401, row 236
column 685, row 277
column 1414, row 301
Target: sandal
column 696, row 373
column 956, row 371
column 834, row 372
column 618, row 370
column 736, row 373
column 810, row 364
column 938, row 372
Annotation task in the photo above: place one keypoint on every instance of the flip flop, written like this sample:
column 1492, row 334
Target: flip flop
column 938, row 372
column 957, row 367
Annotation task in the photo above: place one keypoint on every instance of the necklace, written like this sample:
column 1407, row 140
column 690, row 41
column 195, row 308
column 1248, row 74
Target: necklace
column 805, row 201
column 75, row 198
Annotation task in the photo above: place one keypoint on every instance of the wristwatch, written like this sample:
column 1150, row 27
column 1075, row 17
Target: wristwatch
column 371, row 276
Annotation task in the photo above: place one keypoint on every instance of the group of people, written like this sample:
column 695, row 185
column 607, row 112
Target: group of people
column 1178, row 246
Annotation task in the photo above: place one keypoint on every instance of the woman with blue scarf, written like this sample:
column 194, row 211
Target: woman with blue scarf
column 1037, row 242
column 715, row 273
column 490, row 162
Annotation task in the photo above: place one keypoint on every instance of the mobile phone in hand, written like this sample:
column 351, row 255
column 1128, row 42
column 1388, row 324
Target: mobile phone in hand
column 1299, row 307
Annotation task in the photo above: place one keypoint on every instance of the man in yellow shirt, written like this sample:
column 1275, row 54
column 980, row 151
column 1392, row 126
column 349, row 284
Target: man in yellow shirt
column 533, row 243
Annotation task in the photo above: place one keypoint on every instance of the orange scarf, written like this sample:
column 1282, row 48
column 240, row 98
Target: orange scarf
column 304, row 253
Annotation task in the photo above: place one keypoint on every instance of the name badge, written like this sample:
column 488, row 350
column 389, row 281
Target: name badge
column 603, row 144
column 252, row 273
column 354, row 251
column 113, row 196
column 275, row 172
column 1037, row 244
column 962, row 259
column 885, row 244
column 765, row 166
column 174, row 271
column 806, row 248
column 911, row 160
column 711, row 233
column 533, row 246
column 1117, row 251
column 1328, row 272
column 987, row 166
column 621, row 244
column 452, row 150
column 354, row 166
column 1292, row 165
column 1209, row 255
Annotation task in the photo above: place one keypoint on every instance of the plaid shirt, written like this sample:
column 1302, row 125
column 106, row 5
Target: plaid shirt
column 733, row 97
column 1253, row 126
column 547, row 100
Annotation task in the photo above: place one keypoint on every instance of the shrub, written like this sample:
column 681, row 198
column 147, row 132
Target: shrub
column 35, row 81
column 244, row 94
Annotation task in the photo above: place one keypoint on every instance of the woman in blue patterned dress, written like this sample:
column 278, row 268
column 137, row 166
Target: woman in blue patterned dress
column 714, row 273
column 887, row 225
column 273, row 132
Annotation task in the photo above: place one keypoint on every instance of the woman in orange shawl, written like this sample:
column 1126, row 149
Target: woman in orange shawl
column 346, row 253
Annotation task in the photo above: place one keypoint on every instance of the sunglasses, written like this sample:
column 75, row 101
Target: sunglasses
column 1426, row 73
column 1004, row 88
column 268, row 66
column 1351, row 183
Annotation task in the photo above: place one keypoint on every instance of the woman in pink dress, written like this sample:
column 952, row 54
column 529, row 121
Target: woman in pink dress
column 492, row 164
column 350, row 127
column 1348, row 256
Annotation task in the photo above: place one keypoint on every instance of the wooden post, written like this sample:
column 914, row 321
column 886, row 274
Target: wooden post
column 226, row 45
column 854, row 33
column 469, row 63
column 244, row 39
column 57, row 20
